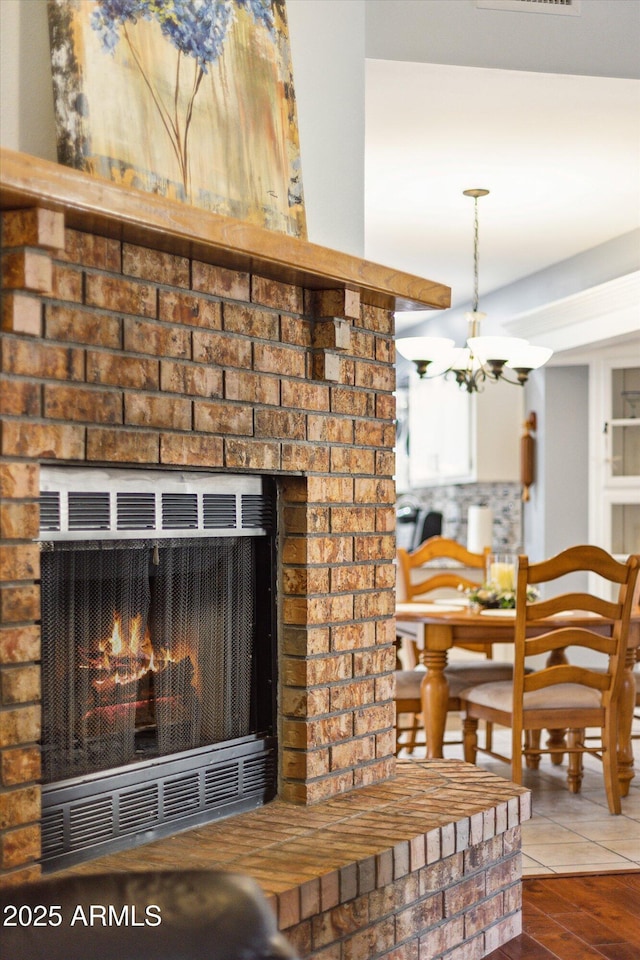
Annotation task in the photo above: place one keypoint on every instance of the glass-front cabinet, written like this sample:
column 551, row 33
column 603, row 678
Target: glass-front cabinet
column 620, row 457
column 624, row 426
column 625, row 528
column 621, row 522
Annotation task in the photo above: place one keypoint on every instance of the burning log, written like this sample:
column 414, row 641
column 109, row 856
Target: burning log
column 120, row 716
column 131, row 685
column 113, row 689
column 101, row 720
column 174, row 677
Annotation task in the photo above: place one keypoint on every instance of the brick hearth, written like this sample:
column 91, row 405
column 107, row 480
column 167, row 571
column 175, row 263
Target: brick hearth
column 139, row 332
column 424, row 865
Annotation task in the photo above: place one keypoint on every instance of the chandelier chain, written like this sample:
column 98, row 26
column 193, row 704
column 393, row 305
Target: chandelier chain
column 475, row 255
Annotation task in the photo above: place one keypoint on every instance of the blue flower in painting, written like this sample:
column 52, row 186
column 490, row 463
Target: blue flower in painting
column 261, row 11
column 109, row 14
column 197, row 29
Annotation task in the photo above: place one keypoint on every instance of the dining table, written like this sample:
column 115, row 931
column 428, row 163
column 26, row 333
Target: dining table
column 446, row 625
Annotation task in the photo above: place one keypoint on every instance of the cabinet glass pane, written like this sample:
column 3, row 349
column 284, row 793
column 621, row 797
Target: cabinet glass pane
column 625, row 393
column 625, row 450
column 625, row 425
column 625, row 528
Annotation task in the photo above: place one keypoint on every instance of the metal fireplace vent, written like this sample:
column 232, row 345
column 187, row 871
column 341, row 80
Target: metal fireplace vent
column 96, row 504
column 92, row 816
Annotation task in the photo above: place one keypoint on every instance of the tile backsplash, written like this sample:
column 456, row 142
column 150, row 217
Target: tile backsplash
column 453, row 502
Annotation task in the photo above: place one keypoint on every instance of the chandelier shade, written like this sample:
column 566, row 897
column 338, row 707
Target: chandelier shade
column 495, row 349
column 482, row 358
column 425, row 350
column 529, row 357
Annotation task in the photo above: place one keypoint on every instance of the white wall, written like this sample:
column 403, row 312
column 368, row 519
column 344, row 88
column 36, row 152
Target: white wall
column 601, row 41
column 329, row 42
column 327, row 49
column 26, row 106
column 9, row 60
column 558, row 512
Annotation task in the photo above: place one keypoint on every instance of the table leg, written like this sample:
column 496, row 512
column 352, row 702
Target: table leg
column 626, row 706
column 532, row 739
column 557, row 737
column 575, row 771
column 434, row 693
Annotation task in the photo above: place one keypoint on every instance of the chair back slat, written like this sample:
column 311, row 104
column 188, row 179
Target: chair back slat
column 583, row 557
column 566, row 673
column 583, row 602
column 564, row 637
column 438, row 548
column 440, row 581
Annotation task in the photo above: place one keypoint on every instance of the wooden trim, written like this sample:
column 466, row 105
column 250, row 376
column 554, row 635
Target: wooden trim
column 99, row 206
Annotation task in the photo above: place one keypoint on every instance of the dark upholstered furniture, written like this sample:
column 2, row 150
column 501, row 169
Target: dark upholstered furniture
column 176, row 915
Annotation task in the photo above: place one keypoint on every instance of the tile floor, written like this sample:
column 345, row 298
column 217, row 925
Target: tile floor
column 573, row 833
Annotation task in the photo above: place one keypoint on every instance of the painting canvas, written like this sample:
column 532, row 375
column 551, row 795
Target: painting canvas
column 189, row 99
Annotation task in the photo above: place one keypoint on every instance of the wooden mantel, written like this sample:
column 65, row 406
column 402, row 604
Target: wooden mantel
column 102, row 207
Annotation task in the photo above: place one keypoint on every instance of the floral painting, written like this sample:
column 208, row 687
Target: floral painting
column 189, row 99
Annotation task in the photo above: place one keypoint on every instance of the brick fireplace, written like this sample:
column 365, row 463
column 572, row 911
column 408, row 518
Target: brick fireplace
column 141, row 334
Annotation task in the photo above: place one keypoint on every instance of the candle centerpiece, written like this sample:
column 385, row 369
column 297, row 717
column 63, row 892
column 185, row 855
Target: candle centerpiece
column 501, row 571
column 498, row 592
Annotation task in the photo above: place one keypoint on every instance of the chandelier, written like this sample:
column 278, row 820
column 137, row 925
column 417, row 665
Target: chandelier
column 483, row 358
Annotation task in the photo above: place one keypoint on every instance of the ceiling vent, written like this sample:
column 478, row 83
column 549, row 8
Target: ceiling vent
column 567, row 8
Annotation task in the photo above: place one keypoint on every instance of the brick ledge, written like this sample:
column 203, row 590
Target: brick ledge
column 97, row 205
column 430, row 810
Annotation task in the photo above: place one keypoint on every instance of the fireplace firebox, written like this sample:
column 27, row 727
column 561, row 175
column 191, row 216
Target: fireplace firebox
column 158, row 659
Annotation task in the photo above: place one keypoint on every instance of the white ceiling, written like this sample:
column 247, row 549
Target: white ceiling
column 559, row 153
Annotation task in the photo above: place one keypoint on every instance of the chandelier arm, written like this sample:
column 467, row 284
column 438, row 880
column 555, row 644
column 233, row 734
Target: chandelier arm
column 520, row 382
column 434, row 376
column 471, row 380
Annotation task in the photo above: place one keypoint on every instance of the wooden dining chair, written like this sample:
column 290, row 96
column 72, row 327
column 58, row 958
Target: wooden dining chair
column 636, row 677
column 459, row 675
column 560, row 695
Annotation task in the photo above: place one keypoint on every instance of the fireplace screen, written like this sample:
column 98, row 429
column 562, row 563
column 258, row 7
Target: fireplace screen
column 158, row 654
column 148, row 650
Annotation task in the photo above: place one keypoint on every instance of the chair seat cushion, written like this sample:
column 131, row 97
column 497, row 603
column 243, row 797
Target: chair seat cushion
column 408, row 684
column 464, row 675
column 459, row 675
column 569, row 696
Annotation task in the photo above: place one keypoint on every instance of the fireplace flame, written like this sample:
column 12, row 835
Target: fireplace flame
column 128, row 656
column 137, row 645
column 115, row 641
